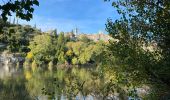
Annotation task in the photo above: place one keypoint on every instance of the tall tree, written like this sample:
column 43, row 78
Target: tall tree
column 142, row 22
column 60, row 48
column 42, row 48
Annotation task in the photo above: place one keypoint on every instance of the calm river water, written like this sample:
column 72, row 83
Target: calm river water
column 32, row 83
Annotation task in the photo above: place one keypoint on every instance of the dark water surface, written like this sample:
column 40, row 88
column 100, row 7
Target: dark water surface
column 18, row 83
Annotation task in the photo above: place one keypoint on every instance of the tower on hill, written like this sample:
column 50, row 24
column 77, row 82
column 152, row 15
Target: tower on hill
column 76, row 31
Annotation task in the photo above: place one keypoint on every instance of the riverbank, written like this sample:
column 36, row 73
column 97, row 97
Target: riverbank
column 8, row 58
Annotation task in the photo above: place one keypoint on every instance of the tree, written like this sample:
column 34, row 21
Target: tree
column 42, row 48
column 22, row 8
column 3, row 24
column 17, row 37
column 141, row 23
column 60, row 48
column 83, row 52
column 84, row 38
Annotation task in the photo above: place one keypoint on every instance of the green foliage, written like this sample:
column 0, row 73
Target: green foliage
column 60, row 48
column 46, row 48
column 75, row 61
column 17, row 37
column 3, row 24
column 42, row 48
column 22, row 8
column 82, row 52
column 85, row 39
column 142, row 25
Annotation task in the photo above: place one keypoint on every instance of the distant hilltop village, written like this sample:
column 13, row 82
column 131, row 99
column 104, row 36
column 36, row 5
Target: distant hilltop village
column 74, row 34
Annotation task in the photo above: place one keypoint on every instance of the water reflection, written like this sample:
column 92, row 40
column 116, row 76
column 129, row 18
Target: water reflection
column 8, row 70
column 61, row 84
column 12, row 84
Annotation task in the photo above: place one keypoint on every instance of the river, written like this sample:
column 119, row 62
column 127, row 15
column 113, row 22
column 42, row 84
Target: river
column 32, row 83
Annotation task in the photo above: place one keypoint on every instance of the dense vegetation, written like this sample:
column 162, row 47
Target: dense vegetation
column 62, row 50
column 43, row 48
column 139, row 58
column 16, row 37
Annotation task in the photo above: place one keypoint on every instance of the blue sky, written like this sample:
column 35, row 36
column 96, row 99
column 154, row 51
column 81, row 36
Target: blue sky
column 89, row 16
